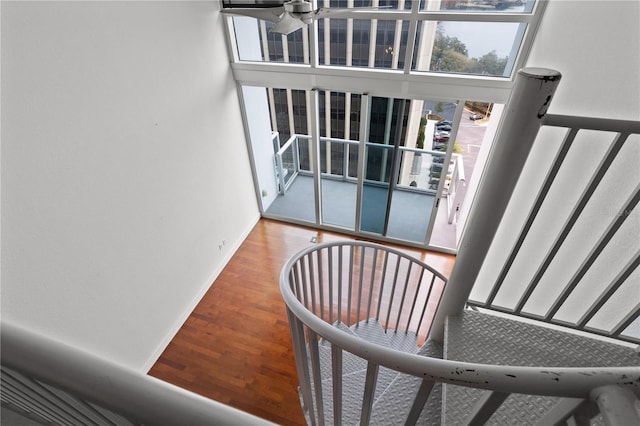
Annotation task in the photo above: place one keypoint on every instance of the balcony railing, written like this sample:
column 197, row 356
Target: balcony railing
column 422, row 169
column 582, row 303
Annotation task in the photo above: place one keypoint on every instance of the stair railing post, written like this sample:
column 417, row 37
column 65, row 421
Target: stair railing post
column 618, row 405
column 524, row 113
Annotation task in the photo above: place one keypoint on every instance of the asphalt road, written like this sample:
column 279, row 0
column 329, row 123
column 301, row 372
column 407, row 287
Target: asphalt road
column 469, row 139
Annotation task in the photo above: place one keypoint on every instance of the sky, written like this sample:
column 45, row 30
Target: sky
column 482, row 37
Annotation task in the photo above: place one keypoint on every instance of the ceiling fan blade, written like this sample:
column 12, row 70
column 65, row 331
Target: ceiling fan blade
column 288, row 24
column 337, row 12
column 271, row 14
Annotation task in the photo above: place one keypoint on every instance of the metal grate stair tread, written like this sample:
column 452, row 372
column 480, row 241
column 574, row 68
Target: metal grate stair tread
column 394, row 391
column 394, row 405
column 490, row 339
column 371, row 330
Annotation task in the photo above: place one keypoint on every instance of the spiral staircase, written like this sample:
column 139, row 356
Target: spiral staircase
column 360, row 363
column 383, row 338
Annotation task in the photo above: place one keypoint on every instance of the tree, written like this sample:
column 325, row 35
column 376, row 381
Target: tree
column 420, row 141
column 421, row 134
column 449, row 60
column 488, row 64
column 449, row 53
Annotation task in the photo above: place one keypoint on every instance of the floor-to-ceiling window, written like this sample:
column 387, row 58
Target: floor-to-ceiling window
column 415, row 64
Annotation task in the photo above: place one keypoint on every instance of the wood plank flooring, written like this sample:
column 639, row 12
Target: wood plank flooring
column 235, row 347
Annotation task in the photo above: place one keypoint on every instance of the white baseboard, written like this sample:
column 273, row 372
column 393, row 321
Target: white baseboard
column 198, row 297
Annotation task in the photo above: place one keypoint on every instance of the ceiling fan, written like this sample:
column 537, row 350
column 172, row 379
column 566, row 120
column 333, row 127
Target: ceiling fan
column 291, row 16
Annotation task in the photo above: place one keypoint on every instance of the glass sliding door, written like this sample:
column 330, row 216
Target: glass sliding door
column 339, row 157
column 387, row 126
column 375, row 189
column 365, row 165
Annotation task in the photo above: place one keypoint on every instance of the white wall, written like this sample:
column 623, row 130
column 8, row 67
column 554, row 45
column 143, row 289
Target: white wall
column 256, row 106
column 596, row 47
column 124, row 167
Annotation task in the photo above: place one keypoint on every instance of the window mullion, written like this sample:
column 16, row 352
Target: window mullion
column 411, row 40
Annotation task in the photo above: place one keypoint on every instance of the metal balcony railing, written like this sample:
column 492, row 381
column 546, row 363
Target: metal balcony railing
column 423, row 170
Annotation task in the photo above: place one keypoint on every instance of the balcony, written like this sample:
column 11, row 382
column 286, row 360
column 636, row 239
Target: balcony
column 409, row 201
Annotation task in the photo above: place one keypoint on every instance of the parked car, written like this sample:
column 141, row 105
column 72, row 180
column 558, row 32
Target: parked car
column 446, row 127
column 440, row 138
column 475, row 117
column 444, row 123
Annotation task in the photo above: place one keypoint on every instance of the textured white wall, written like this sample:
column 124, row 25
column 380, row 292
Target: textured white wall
column 596, row 47
column 124, row 167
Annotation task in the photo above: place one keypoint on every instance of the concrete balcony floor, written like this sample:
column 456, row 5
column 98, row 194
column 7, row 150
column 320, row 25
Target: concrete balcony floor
column 408, row 219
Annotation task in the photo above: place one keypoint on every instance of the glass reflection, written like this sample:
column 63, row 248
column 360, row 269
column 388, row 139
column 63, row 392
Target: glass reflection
column 480, row 6
column 479, row 48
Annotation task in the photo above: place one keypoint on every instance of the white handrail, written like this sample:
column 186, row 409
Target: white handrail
column 138, row 397
column 574, row 383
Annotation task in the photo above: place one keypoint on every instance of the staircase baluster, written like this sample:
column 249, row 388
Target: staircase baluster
column 567, row 408
column 383, row 277
column 369, row 392
column 404, row 294
column 372, row 282
column 351, row 249
column 418, row 403
column 340, row 283
column 321, row 284
column 363, row 253
column 618, row 405
column 317, row 376
column 587, row 193
column 330, row 277
column 424, row 308
column 599, row 247
column 415, row 301
column 625, row 322
column 616, row 283
column 482, row 411
column 533, row 213
column 393, row 290
column 312, row 284
column 336, row 365
column 302, row 363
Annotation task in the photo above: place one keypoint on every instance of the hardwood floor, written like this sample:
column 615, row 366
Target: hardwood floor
column 235, row 347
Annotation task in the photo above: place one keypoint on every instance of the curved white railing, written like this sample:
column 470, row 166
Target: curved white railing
column 63, row 385
column 350, row 281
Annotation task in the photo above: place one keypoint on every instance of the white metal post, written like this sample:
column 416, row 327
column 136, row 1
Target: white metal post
column 528, row 103
column 314, row 154
column 618, row 405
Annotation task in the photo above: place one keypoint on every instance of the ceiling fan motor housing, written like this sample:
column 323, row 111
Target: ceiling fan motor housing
column 301, row 9
column 298, row 6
